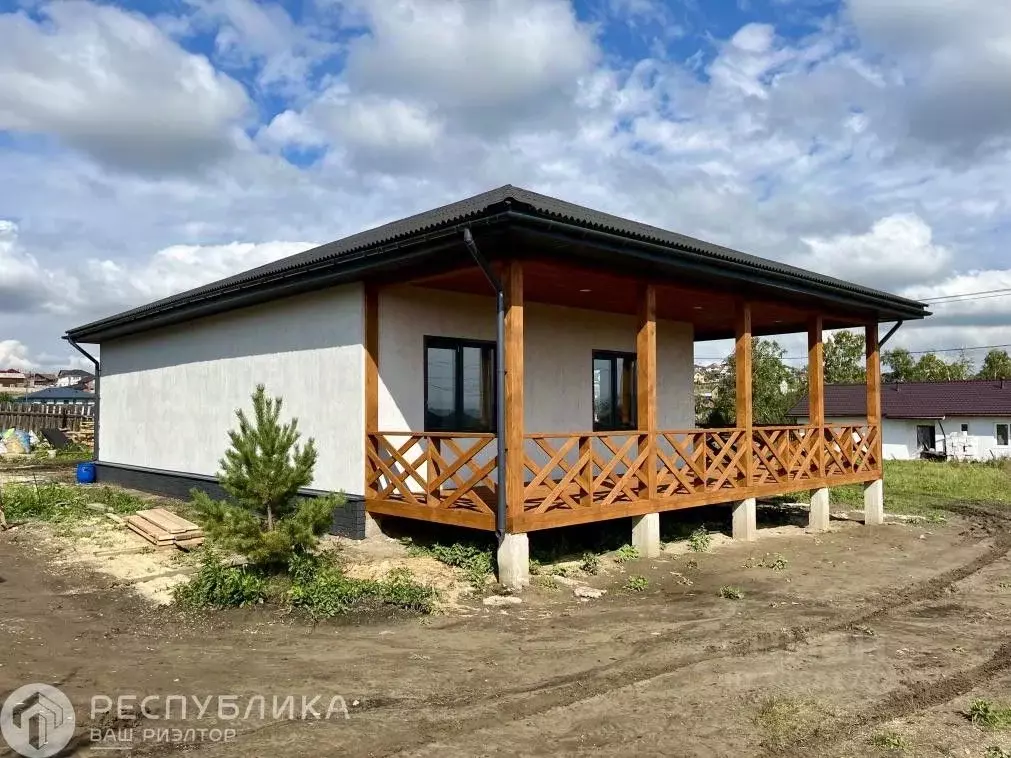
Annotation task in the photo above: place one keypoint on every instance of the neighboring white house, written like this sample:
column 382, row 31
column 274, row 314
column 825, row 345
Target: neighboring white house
column 68, row 377
column 967, row 420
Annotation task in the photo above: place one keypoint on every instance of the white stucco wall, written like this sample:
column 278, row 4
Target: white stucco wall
column 899, row 440
column 558, row 346
column 169, row 396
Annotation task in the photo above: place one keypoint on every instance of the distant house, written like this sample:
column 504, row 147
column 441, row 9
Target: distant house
column 68, row 377
column 11, row 378
column 968, row 420
column 59, row 396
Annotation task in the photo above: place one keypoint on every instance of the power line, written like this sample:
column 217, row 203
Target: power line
column 970, row 295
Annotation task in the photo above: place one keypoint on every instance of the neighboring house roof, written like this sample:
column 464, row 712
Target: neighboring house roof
column 926, row 400
column 437, row 231
column 59, row 393
column 74, row 372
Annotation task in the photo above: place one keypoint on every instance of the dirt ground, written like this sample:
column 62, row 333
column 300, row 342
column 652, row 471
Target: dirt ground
column 867, row 636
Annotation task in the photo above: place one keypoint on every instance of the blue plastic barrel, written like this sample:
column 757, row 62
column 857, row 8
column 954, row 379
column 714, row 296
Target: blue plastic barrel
column 85, row 473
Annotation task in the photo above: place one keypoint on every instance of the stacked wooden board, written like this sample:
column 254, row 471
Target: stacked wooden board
column 164, row 528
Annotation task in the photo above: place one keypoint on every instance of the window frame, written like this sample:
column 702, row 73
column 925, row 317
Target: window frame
column 458, row 344
column 1007, row 434
column 613, row 355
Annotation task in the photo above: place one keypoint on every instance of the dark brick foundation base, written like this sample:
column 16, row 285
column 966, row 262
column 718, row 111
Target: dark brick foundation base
column 348, row 521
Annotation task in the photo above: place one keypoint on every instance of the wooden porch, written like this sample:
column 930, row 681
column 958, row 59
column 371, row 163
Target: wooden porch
column 560, row 479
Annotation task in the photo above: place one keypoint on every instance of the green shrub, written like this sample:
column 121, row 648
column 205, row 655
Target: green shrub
column 478, row 562
column 626, row 553
column 219, row 586
column 700, row 540
column 989, row 715
column 320, row 588
column 637, row 583
column 731, row 593
column 591, row 563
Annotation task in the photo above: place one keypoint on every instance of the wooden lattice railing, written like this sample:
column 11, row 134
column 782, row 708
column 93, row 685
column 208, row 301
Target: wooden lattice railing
column 445, row 471
column 573, row 471
column 569, row 478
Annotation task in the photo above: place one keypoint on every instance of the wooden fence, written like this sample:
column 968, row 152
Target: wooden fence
column 36, row 416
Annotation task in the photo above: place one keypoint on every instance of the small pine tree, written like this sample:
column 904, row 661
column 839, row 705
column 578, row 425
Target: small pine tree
column 262, row 471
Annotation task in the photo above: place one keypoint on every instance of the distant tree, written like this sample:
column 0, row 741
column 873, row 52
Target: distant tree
column 844, row 358
column 931, row 368
column 996, row 365
column 775, row 387
column 902, row 367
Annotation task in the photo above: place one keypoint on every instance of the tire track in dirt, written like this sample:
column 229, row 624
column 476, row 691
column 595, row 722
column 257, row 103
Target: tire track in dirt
column 449, row 716
column 518, row 703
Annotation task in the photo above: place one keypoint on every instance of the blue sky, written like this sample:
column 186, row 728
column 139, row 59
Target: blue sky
column 151, row 147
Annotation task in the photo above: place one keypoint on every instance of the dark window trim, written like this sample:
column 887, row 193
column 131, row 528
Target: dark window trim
column 458, row 344
column 613, row 390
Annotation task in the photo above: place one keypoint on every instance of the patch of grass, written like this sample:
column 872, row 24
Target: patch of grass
column 626, row 553
column 923, row 487
column 996, row 751
column 321, row 588
column 61, row 503
column 787, row 721
column 637, row 583
column 477, row 561
column 219, row 586
column 548, row 583
column 691, row 564
column 986, row 714
column 591, row 563
column 700, row 540
column 776, row 562
column 728, row 592
column 889, row 741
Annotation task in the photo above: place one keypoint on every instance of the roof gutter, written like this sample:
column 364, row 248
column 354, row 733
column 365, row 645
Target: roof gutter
column 888, row 335
column 98, row 389
column 661, row 254
column 496, row 284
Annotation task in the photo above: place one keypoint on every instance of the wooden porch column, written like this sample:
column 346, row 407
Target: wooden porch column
column 371, row 327
column 645, row 360
column 513, row 285
column 646, row 528
column 742, row 358
column 874, row 504
column 820, row 508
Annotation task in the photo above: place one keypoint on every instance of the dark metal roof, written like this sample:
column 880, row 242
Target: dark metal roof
column 924, row 400
column 59, row 393
column 508, row 205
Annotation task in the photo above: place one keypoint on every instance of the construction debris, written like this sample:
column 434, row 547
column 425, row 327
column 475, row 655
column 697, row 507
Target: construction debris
column 164, row 528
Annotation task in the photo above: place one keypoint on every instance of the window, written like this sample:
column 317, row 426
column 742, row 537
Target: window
column 459, row 385
column 1002, row 434
column 965, row 428
column 925, row 439
column 613, row 391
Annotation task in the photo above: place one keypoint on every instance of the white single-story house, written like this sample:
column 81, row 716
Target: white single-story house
column 966, row 420
column 510, row 362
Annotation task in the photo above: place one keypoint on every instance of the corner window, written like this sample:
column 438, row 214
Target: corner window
column 614, row 394
column 1002, row 434
column 459, row 385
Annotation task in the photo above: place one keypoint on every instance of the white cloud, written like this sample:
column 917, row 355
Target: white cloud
column 954, row 62
column 103, row 286
column 15, row 355
column 110, row 83
column 898, row 249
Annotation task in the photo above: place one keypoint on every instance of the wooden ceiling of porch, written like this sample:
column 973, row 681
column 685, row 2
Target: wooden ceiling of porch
column 710, row 311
